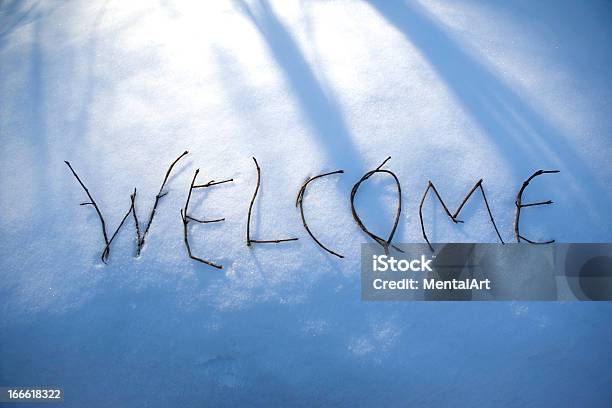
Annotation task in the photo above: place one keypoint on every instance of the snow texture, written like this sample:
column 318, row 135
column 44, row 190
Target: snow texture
column 453, row 91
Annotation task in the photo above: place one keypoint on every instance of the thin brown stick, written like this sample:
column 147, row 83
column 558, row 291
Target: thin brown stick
column 490, row 214
column 91, row 202
column 204, row 221
column 536, row 242
column 186, row 218
column 519, row 205
column 248, row 231
column 454, row 216
column 213, row 183
column 300, row 201
column 539, row 203
column 106, row 252
column 465, row 200
column 385, row 243
column 421, row 215
column 446, row 210
column 136, row 223
column 160, row 194
column 272, row 241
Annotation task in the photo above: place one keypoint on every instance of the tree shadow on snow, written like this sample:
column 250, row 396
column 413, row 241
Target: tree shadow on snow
column 527, row 140
column 316, row 102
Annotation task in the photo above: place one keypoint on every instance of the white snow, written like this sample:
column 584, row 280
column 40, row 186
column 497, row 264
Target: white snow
column 453, row 91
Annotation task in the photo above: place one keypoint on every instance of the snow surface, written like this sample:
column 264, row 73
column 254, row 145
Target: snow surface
column 453, row 91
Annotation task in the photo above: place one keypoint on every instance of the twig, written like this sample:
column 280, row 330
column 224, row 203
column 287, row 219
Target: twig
column 536, row 242
column 136, row 223
column 106, row 252
column 248, row 231
column 204, row 221
column 489, row 211
column 91, row 202
column 519, row 205
column 160, row 194
column 384, row 243
column 213, row 183
column 272, row 241
column 186, row 218
column 300, row 201
column 454, row 216
column 540, row 203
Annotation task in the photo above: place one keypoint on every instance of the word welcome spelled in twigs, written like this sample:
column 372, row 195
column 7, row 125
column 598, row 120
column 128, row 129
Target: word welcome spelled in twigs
column 386, row 243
